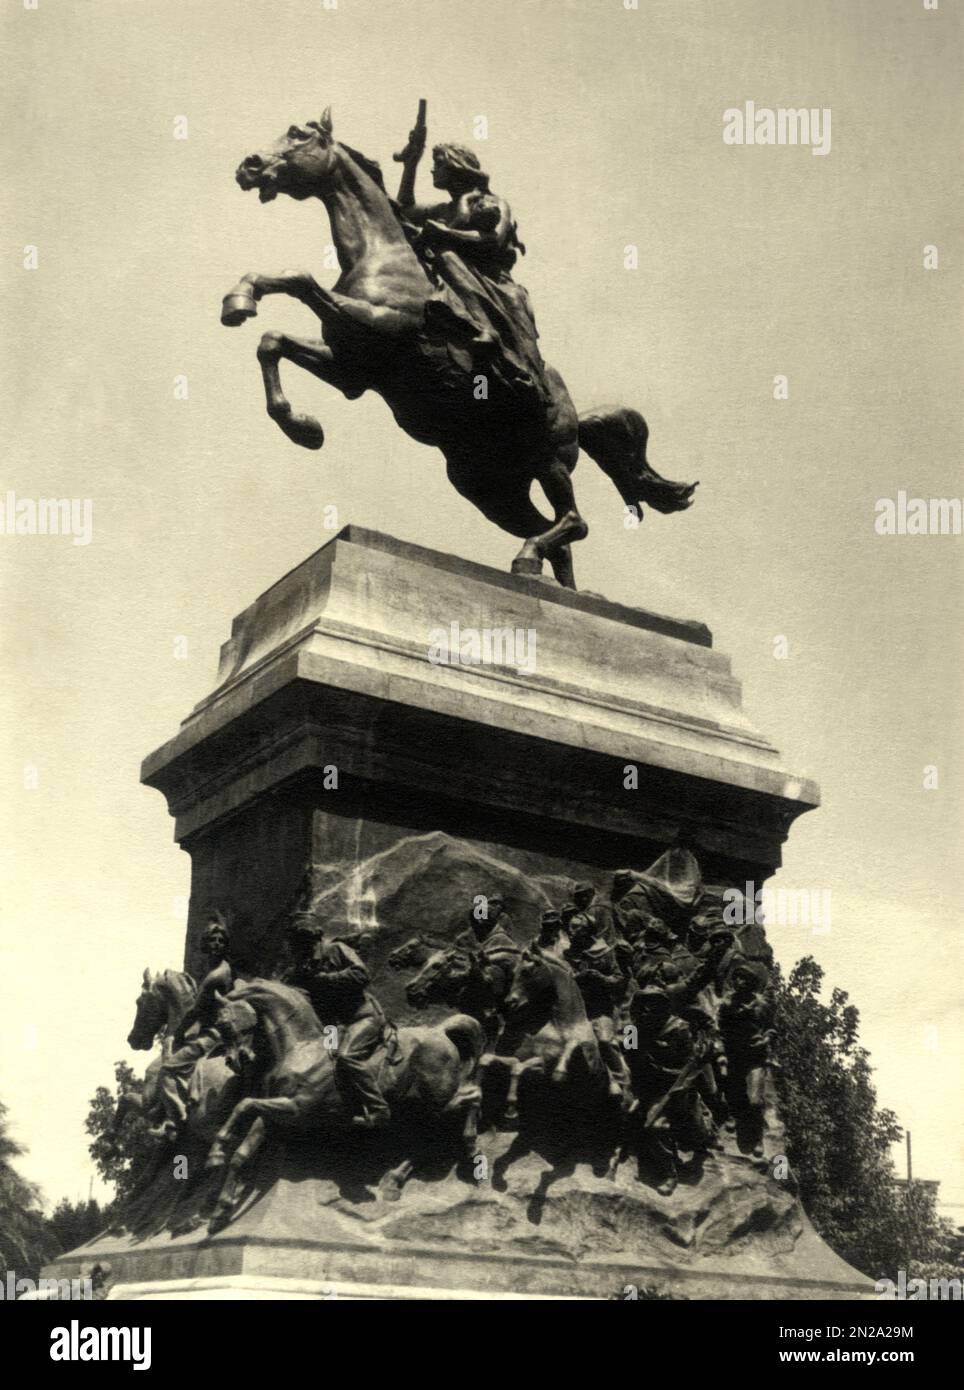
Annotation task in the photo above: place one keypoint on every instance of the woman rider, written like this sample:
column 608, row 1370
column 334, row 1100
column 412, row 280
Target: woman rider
column 469, row 246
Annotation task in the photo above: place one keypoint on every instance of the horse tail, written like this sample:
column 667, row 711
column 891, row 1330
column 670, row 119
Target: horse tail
column 468, row 1036
column 616, row 440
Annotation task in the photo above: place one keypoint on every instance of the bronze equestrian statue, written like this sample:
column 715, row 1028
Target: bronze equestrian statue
column 426, row 313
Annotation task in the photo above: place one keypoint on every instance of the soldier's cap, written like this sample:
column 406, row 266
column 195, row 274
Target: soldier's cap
column 551, row 918
column 496, row 898
column 584, row 887
column 567, row 910
column 652, row 993
column 657, row 928
column 304, row 924
column 622, row 875
column 757, row 972
column 721, row 933
column 709, row 916
column 596, row 948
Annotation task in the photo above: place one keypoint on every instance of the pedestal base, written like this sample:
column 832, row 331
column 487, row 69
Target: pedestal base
column 733, row 1234
column 394, row 732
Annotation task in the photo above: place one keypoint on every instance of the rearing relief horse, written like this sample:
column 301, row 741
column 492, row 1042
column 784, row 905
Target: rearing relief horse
column 431, row 1075
column 377, row 336
column 213, row 1089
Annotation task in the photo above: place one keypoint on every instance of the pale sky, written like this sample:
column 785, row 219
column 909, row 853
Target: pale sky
column 604, row 130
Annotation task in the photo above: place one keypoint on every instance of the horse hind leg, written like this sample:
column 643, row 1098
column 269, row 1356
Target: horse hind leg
column 568, row 526
column 512, row 510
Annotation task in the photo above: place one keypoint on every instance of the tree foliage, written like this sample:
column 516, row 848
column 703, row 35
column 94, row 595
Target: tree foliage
column 839, row 1142
column 75, row 1223
column 120, row 1152
column 25, row 1241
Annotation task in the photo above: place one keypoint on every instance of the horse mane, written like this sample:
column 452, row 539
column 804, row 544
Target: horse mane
column 371, row 166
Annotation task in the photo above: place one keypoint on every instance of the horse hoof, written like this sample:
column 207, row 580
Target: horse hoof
column 522, row 564
column 303, row 430
column 235, row 308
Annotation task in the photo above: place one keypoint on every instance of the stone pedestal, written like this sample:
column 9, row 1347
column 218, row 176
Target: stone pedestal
column 343, row 762
column 334, row 738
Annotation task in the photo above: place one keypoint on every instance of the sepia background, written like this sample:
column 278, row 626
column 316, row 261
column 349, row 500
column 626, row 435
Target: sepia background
column 604, row 131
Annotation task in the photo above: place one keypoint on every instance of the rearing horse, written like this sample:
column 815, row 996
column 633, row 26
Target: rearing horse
column 434, row 1069
column 214, row 1088
column 376, row 338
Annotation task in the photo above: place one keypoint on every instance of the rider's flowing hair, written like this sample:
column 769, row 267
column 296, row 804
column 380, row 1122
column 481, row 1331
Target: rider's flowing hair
column 464, row 161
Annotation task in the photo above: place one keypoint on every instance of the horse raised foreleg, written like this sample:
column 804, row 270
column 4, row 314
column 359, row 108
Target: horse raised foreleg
column 302, row 429
column 467, row 1102
column 217, row 1154
column 241, row 303
column 315, row 357
column 518, row 1069
column 227, row 1202
column 561, row 1071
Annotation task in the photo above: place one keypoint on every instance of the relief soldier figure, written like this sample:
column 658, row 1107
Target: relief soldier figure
column 336, row 981
column 490, row 933
column 603, row 987
column 590, row 918
column 553, row 934
column 196, row 1035
column 746, row 1029
column 666, row 1066
column 628, row 905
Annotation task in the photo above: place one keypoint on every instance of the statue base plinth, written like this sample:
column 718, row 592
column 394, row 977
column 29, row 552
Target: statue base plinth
column 381, row 694
column 393, row 732
column 733, row 1234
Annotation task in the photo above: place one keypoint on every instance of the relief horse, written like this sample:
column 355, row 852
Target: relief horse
column 431, row 1073
column 376, row 338
column 567, row 1093
column 215, row 1087
column 453, row 975
column 464, row 980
